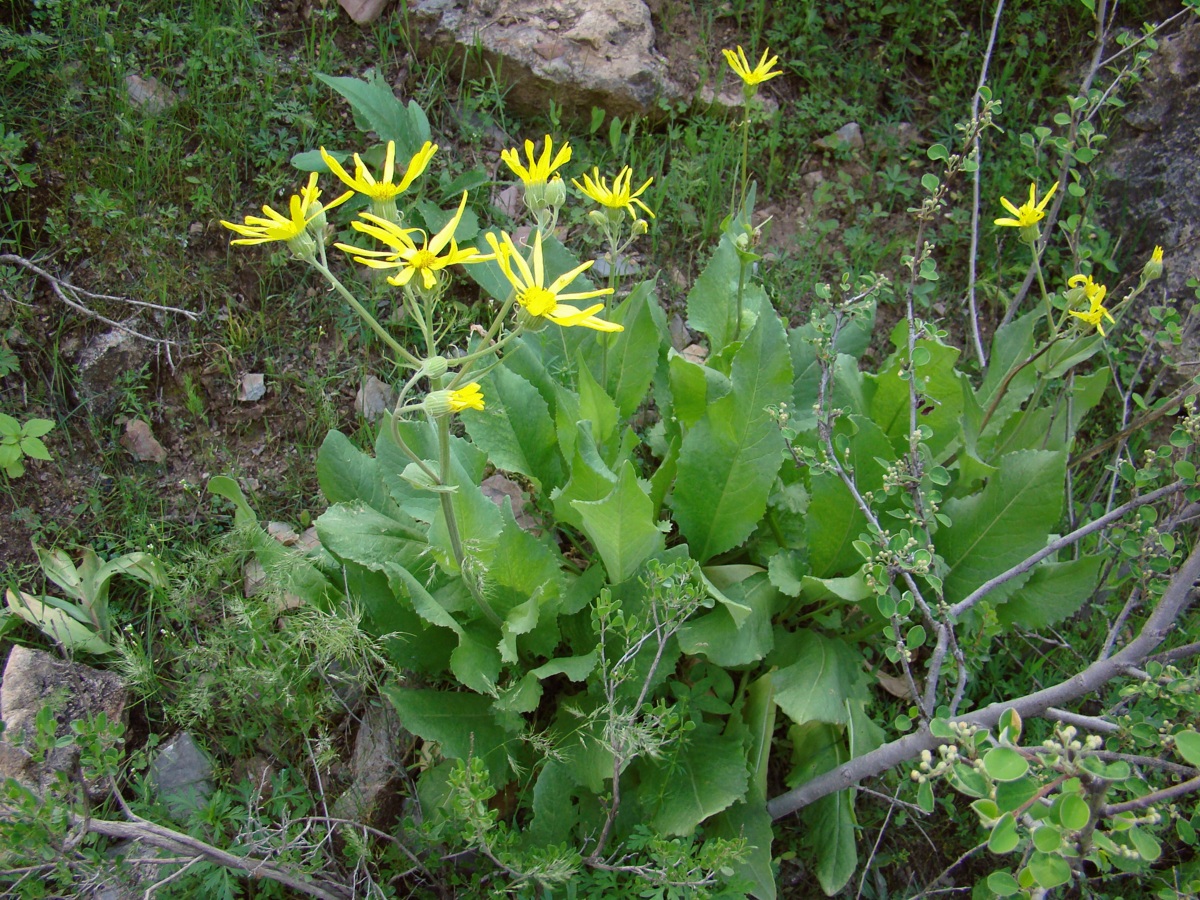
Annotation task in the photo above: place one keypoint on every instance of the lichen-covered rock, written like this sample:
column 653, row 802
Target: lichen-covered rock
column 579, row 53
column 34, row 679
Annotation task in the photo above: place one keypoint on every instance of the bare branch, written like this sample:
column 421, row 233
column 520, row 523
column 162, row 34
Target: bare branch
column 1160, row 623
column 177, row 842
column 1163, row 796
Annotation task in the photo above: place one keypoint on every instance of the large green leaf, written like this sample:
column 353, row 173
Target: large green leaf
column 346, row 474
column 824, row 678
column 357, row 532
column 728, row 461
column 1053, row 592
column 376, row 109
column 941, row 389
column 721, row 639
column 590, row 478
column 712, row 301
column 516, row 428
column 852, row 341
column 633, row 354
column 840, row 522
column 750, row 821
column 701, row 775
column 463, row 724
column 622, row 526
column 829, row 822
column 1004, row 523
column 555, row 812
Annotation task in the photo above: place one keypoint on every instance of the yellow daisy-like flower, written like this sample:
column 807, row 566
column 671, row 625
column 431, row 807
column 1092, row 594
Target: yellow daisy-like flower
column 467, row 397
column 752, row 77
column 302, row 209
column 383, row 190
column 538, row 299
column 1029, row 213
column 406, row 255
column 1094, row 293
column 620, row 196
column 540, row 169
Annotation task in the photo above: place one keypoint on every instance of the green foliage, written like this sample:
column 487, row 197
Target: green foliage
column 81, row 620
column 20, row 441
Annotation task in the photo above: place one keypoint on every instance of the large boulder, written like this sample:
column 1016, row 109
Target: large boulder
column 579, row 53
column 1153, row 196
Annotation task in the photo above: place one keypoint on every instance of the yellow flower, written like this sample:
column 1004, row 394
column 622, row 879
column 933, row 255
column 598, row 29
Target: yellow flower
column 406, row 255
column 621, row 196
column 467, row 397
column 539, row 170
column 751, row 77
column 539, row 300
column 1030, row 213
column 383, row 190
column 1094, row 294
column 302, row 208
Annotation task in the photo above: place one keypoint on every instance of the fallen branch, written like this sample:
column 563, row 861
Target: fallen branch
column 185, row 845
column 73, row 296
column 1160, row 623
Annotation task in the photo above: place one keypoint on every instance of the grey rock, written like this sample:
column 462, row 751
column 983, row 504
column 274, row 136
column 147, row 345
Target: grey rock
column 33, row 679
column 252, row 388
column 149, row 94
column 1153, row 163
column 848, row 137
column 374, row 398
column 182, row 775
column 106, row 358
column 579, row 53
column 377, row 769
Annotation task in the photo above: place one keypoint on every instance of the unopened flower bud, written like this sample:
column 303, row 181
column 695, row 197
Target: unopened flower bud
column 556, row 193
column 640, row 227
column 1154, row 266
column 437, row 403
column 303, row 246
column 435, row 366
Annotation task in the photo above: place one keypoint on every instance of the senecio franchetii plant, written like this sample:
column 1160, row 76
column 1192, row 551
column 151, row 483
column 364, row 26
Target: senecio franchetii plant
column 602, row 680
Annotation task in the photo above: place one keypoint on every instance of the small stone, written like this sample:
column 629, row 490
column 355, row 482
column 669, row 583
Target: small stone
column 363, row 12
column 497, row 487
column 254, row 578
column 680, row 336
column 695, row 353
column 106, row 358
column 139, row 440
column 182, row 775
column 283, row 533
column 848, row 137
column 149, row 94
column 252, row 388
column 374, row 398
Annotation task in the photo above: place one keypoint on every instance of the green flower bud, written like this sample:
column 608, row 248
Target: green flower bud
column 437, row 403
column 1154, row 266
column 435, row 366
column 556, row 193
column 303, row 246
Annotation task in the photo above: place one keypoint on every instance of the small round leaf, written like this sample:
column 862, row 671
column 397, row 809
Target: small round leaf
column 1073, row 812
column 1002, row 884
column 1049, row 871
column 1005, row 764
column 1047, row 839
column 1004, row 838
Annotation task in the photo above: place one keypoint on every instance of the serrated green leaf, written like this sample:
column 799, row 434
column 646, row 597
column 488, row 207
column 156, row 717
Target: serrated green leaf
column 728, row 461
column 1004, row 523
column 712, row 301
column 377, row 109
column 752, row 822
column 826, row 676
column 346, row 474
column 694, row 781
column 516, row 429
column 724, row 640
column 1053, row 592
column 463, row 724
column 633, row 354
column 37, row 427
column 621, row 526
